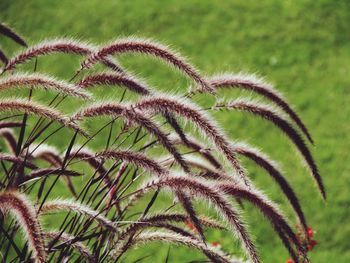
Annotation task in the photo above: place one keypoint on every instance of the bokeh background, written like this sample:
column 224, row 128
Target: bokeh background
column 303, row 47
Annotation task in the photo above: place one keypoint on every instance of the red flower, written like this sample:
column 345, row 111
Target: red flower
column 312, row 244
column 191, row 226
column 215, row 244
column 310, row 232
column 289, row 261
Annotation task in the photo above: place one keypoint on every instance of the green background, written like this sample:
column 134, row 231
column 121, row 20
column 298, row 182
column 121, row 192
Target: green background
column 300, row 46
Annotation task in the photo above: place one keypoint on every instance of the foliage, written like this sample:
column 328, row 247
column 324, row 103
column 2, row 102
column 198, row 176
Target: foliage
column 145, row 154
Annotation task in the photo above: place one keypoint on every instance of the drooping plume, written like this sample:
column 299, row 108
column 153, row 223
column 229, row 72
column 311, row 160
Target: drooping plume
column 88, row 156
column 268, row 209
column 70, row 241
column 62, row 45
column 272, row 168
column 36, row 80
column 17, row 160
column 268, row 113
column 10, row 124
column 15, row 105
column 215, row 255
column 107, row 78
column 74, row 206
column 47, row 153
column 203, row 190
column 162, row 218
column 161, row 104
column 48, row 172
column 199, row 148
column 10, row 139
column 148, row 47
column 131, row 115
column 135, row 158
column 51, row 155
column 25, row 213
column 258, row 85
column 10, row 33
column 206, row 169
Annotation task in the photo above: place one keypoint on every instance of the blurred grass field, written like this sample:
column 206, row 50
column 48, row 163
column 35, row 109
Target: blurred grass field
column 303, row 47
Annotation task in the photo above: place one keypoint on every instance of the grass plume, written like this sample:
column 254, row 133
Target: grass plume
column 272, row 168
column 36, row 80
column 213, row 254
column 227, row 211
column 61, row 45
column 74, row 206
column 258, row 85
column 162, row 104
column 25, row 213
column 10, row 139
column 108, row 210
column 69, row 240
column 148, row 47
column 10, row 33
column 111, row 78
column 266, row 112
column 3, row 58
column 21, row 105
column 131, row 115
column 135, row 158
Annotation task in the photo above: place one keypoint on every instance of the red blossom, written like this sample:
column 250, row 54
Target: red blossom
column 312, row 244
column 310, row 232
column 215, row 244
column 191, row 226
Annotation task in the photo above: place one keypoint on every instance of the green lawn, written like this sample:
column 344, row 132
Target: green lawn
column 300, row 46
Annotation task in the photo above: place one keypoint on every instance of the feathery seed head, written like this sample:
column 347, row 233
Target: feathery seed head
column 258, row 85
column 269, row 113
column 20, row 206
column 35, row 108
column 108, row 78
column 148, row 47
column 35, row 80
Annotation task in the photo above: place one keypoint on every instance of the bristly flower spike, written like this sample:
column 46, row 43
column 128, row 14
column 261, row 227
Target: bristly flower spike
column 25, row 213
column 253, row 83
column 148, row 47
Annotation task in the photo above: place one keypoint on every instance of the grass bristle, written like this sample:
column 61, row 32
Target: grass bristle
column 274, row 171
column 10, row 33
column 61, row 45
column 107, row 78
column 187, row 110
column 214, row 254
column 203, row 190
column 268, row 113
column 25, row 213
column 138, row 159
column 21, row 105
column 269, row 210
column 36, row 80
column 74, row 206
column 70, row 241
column 146, row 46
column 114, row 178
column 253, row 83
column 10, row 139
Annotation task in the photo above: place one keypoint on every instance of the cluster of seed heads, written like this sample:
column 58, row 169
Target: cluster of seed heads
column 107, row 186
